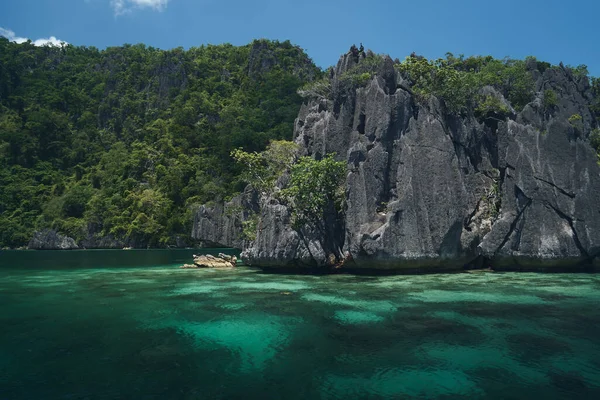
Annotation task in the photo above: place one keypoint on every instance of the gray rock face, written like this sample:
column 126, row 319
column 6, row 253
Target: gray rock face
column 221, row 225
column 278, row 245
column 428, row 189
column 550, row 212
column 95, row 240
column 49, row 239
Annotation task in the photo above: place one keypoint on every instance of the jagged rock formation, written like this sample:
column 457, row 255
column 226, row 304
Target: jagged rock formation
column 429, row 189
column 49, row 239
column 220, row 225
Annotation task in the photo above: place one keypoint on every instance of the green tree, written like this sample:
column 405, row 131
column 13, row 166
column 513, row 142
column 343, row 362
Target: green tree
column 550, row 99
column 457, row 80
column 261, row 170
column 315, row 188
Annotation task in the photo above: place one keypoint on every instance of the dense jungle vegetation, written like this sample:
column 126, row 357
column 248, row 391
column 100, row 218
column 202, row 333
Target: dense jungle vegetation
column 125, row 142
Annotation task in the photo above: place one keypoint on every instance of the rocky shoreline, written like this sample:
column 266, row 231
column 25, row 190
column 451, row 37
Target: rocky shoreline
column 50, row 239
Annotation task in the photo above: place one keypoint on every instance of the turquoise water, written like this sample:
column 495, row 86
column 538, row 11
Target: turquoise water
column 101, row 325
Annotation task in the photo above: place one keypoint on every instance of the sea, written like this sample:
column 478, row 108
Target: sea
column 130, row 324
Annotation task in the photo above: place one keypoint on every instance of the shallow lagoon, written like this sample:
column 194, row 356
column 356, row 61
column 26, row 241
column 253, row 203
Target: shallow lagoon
column 130, row 324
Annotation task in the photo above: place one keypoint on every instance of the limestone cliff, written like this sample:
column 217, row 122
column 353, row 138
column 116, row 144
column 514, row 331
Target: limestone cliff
column 221, row 224
column 49, row 239
column 429, row 188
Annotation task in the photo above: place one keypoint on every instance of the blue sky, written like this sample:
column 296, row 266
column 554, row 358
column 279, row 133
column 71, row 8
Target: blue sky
column 551, row 30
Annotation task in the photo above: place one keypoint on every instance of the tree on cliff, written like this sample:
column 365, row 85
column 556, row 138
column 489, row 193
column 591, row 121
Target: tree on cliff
column 315, row 188
column 314, row 191
column 261, row 169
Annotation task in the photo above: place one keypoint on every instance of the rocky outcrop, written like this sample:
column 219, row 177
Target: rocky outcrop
column 94, row 239
column 549, row 202
column 221, row 224
column 49, row 239
column 210, row 261
column 278, row 245
column 427, row 189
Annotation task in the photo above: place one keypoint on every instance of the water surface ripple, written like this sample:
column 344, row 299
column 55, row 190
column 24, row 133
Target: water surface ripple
column 88, row 330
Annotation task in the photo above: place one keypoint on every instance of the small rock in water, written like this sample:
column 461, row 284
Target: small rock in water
column 210, row 261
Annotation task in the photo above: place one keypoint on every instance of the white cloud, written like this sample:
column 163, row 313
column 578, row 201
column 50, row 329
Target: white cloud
column 124, row 6
column 10, row 35
column 51, row 41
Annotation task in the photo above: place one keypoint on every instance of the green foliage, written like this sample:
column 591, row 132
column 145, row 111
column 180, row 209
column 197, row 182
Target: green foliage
column 580, row 71
column 457, row 80
column 540, row 65
column 315, row 186
column 494, row 200
column 575, row 119
column 595, row 107
column 550, row 99
column 75, row 201
column 127, row 140
column 362, row 79
column 595, row 140
column 261, row 170
column 491, row 107
column 576, row 122
column 249, row 227
column 320, row 89
column 362, row 73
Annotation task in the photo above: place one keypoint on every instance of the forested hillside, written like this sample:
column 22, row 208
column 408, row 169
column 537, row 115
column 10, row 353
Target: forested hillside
column 116, row 147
